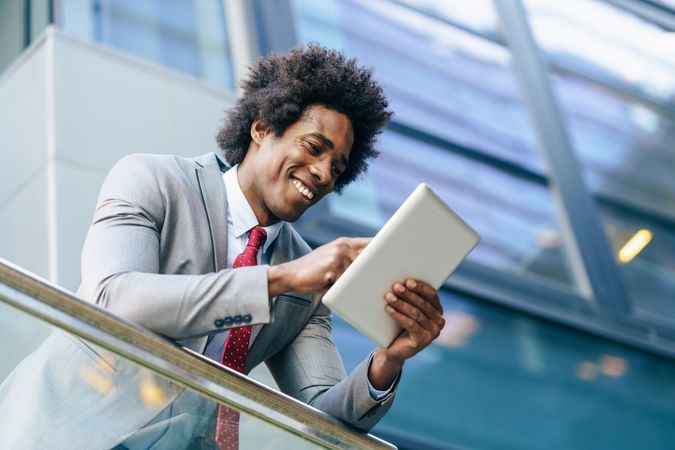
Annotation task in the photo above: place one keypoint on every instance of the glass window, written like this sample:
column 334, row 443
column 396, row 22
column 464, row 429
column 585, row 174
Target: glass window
column 481, row 16
column 627, row 155
column 607, row 44
column 626, row 148
column 187, row 35
column 645, row 252
column 439, row 79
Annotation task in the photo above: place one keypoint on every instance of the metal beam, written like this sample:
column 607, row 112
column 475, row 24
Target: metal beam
column 244, row 46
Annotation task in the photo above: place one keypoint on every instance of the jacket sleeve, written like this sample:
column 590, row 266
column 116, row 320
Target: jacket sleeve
column 121, row 264
column 310, row 369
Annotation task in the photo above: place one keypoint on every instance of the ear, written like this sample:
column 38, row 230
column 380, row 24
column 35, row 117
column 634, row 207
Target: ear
column 258, row 131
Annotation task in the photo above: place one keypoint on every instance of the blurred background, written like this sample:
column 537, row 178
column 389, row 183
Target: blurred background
column 548, row 125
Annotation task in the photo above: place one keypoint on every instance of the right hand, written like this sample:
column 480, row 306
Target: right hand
column 318, row 270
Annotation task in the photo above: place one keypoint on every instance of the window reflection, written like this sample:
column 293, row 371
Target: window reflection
column 186, row 35
column 650, row 275
column 620, row 49
column 626, row 148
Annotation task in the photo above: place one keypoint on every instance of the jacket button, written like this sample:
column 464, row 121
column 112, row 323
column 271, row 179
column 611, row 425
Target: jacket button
column 238, row 319
column 228, row 321
column 247, row 318
column 219, row 323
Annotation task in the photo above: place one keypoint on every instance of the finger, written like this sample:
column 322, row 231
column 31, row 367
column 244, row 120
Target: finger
column 408, row 310
column 407, row 324
column 426, row 291
column 422, row 304
column 359, row 244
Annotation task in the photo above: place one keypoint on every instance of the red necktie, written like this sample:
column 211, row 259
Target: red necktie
column 236, row 348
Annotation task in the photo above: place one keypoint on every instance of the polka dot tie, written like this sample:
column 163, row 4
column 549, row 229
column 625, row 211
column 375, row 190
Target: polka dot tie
column 236, row 348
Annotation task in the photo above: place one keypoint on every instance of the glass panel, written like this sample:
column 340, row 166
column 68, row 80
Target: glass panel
column 626, row 151
column 69, row 393
column 645, row 253
column 481, row 16
column 497, row 379
column 514, row 217
column 625, row 147
column 607, row 44
column 439, row 79
column 186, row 35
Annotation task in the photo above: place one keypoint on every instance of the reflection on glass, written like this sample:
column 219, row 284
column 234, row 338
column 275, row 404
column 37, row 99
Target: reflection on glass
column 186, row 35
column 514, row 217
column 70, row 393
column 649, row 276
column 634, row 246
column 531, row 383
column 608, row 44
column 439, row 79
column 626, row 148
column 480, row 15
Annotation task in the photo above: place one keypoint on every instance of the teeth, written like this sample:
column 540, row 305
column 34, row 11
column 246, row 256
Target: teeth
column 302, row 189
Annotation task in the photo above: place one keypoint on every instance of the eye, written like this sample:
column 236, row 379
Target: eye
column 314, row 149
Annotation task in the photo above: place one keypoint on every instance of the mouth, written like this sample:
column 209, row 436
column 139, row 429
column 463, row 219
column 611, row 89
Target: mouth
column 302, row 189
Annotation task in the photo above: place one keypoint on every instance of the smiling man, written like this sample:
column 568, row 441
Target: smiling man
column 202, row 251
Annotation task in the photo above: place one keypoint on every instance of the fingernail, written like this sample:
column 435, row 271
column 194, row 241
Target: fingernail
column 411, row 284
column 388, row 308
column 399, row 288
column 389, row 297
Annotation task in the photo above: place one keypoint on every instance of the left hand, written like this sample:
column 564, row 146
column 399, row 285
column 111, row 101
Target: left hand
column 416, row 307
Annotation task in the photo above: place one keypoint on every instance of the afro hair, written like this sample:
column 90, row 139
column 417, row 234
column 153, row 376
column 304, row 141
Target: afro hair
column 280, row 87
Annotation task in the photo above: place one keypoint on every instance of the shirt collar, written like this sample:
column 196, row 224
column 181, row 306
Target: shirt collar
column 243, row 217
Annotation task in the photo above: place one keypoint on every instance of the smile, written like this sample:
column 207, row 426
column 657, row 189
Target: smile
column 302, row 189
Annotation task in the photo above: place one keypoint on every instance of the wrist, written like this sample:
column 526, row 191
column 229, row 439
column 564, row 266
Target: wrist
column 383, row 369
column 278, row 280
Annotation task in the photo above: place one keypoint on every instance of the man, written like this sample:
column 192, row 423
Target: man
column 201, row 251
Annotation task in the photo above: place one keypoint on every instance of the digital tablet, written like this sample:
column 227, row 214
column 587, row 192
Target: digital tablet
column 424, row 240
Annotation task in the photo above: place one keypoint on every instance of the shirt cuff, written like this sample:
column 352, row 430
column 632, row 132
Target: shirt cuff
column 376, row 394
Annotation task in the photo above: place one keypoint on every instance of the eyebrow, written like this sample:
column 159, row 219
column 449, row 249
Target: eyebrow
column 328, row 143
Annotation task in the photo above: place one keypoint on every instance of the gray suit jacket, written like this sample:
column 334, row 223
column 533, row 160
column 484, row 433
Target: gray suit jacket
column 156, row 254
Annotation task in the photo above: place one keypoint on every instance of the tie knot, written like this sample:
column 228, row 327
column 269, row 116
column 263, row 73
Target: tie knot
column 257, row 237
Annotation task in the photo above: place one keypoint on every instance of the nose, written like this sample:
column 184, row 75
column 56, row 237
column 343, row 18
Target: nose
column 321, row 171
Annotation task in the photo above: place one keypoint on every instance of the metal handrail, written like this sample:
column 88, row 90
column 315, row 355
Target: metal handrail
column 59, row 307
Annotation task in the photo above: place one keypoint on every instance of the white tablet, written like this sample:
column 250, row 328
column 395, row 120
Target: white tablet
column 424, row 239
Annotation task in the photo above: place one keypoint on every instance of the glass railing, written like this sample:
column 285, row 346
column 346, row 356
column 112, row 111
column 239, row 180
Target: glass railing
column 171, row 395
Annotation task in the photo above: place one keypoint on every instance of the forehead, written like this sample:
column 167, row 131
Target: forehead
column 333, row 125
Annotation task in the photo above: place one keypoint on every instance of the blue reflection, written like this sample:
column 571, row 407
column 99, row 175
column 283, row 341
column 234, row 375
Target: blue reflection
column 185, row 35
column 518, row 382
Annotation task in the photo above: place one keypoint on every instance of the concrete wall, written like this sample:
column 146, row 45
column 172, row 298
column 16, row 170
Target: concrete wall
column 68, row 110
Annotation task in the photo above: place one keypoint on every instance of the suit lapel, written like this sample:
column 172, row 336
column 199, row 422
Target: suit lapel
column 212, row 189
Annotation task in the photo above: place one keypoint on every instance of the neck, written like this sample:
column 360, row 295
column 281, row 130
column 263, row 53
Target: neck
column 248, row 188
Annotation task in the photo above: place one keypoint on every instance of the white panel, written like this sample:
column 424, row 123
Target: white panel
column 109, row 104
column 76, row 193
column 23, row 226
column 23, row 133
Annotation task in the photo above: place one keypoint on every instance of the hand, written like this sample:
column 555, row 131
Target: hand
column 416, row 307
column 316, row 271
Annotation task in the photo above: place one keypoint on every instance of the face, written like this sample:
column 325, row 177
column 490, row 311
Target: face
column 283, row 176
